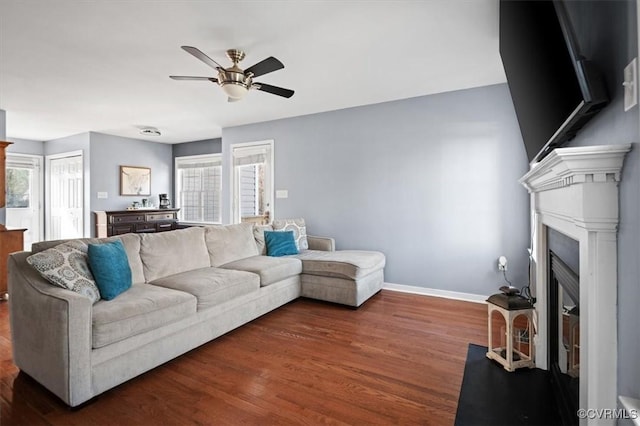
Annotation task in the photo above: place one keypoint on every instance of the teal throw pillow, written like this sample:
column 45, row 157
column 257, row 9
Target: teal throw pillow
column 280, row 243
column 110, row 268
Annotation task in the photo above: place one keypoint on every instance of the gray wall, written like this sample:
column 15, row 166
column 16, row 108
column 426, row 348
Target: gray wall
column 206, row 146
column 607, row 33
column 3, row 125
column 108, row 153
column 430, row 181
column 25, row 146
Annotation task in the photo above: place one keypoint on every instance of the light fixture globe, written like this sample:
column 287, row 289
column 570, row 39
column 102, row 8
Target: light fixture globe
column 234, row 82
column 234, row 89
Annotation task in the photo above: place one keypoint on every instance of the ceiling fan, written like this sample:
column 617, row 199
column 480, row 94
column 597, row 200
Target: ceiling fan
column 234, row 81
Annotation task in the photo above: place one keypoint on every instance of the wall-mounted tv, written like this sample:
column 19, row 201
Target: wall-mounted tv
column 555, row 90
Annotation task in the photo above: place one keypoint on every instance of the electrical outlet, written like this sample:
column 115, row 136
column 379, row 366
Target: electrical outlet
column 630, row 85
column 502, row 263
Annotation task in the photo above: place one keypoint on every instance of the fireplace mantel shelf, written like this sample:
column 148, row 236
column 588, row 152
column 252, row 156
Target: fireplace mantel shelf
column 567, row 166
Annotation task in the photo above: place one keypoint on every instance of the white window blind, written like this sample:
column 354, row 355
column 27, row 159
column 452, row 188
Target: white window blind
column 199, row 188
column 249, row 156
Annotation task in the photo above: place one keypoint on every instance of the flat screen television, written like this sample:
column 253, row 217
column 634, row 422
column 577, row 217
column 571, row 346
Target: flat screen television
column 555, row 91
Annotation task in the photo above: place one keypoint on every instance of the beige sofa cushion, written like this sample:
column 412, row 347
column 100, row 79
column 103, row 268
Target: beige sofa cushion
column 270, row 269
column 131, row 243
column 212, row 286
column 258, row 235
column 227, row 243
column 142, row 308
column 351, row 264
column 39, row 246
column 172, row 252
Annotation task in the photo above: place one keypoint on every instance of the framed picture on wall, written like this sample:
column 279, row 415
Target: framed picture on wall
column 135, row 180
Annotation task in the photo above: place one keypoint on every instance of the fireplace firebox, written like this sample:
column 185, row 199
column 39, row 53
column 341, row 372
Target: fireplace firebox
column 564, row 337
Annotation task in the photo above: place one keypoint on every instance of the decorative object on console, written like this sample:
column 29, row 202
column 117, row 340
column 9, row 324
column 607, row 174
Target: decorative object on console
column 515, row 349
column 164, row 202
column 135, row 180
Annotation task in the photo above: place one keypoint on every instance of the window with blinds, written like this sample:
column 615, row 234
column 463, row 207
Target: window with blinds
column 199, row 188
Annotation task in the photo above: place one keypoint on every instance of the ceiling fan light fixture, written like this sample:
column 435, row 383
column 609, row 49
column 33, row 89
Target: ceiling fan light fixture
column 234, row 81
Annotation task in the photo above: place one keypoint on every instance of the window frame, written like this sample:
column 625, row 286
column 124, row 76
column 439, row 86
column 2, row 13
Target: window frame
column 177, row 184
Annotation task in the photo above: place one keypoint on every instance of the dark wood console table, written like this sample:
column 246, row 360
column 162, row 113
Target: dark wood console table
column 142, row 220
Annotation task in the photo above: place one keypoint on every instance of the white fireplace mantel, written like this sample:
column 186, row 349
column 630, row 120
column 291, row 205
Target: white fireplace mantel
column 575, row 192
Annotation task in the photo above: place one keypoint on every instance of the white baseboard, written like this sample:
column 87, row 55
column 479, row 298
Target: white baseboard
column 467, row 297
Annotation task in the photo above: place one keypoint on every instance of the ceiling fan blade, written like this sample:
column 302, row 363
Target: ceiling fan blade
column 204, row 58
column 270, row 64
column 275, row 90
column 185, row 77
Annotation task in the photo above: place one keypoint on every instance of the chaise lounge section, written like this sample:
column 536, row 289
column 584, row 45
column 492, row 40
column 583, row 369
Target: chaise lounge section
column 188, row 287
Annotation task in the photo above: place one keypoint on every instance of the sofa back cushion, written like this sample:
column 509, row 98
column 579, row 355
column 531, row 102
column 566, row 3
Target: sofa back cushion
column 173, row 252
column 131, row 243
column 228, row 243
column 258, row 235
column 39, row 246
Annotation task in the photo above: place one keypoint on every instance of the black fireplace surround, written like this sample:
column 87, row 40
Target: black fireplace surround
column 565, row 387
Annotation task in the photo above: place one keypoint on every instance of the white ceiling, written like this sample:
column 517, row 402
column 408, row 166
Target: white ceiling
column 68, row 67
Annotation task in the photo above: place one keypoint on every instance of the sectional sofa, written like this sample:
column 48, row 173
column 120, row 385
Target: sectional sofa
column 189, row 287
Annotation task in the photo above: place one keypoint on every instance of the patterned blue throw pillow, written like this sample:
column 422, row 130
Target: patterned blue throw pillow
column 280, row 243
column 66, row 266
column 110, row 267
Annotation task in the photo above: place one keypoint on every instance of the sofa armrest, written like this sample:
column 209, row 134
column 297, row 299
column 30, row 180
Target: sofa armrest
column 51, row 332
column 321, row 243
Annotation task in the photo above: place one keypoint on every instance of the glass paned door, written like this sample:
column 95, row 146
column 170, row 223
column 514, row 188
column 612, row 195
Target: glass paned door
column 24, row 196
column 253, row 182
column 65, row 197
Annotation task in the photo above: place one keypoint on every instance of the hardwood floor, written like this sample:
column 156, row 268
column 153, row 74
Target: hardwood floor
column 398, row 359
